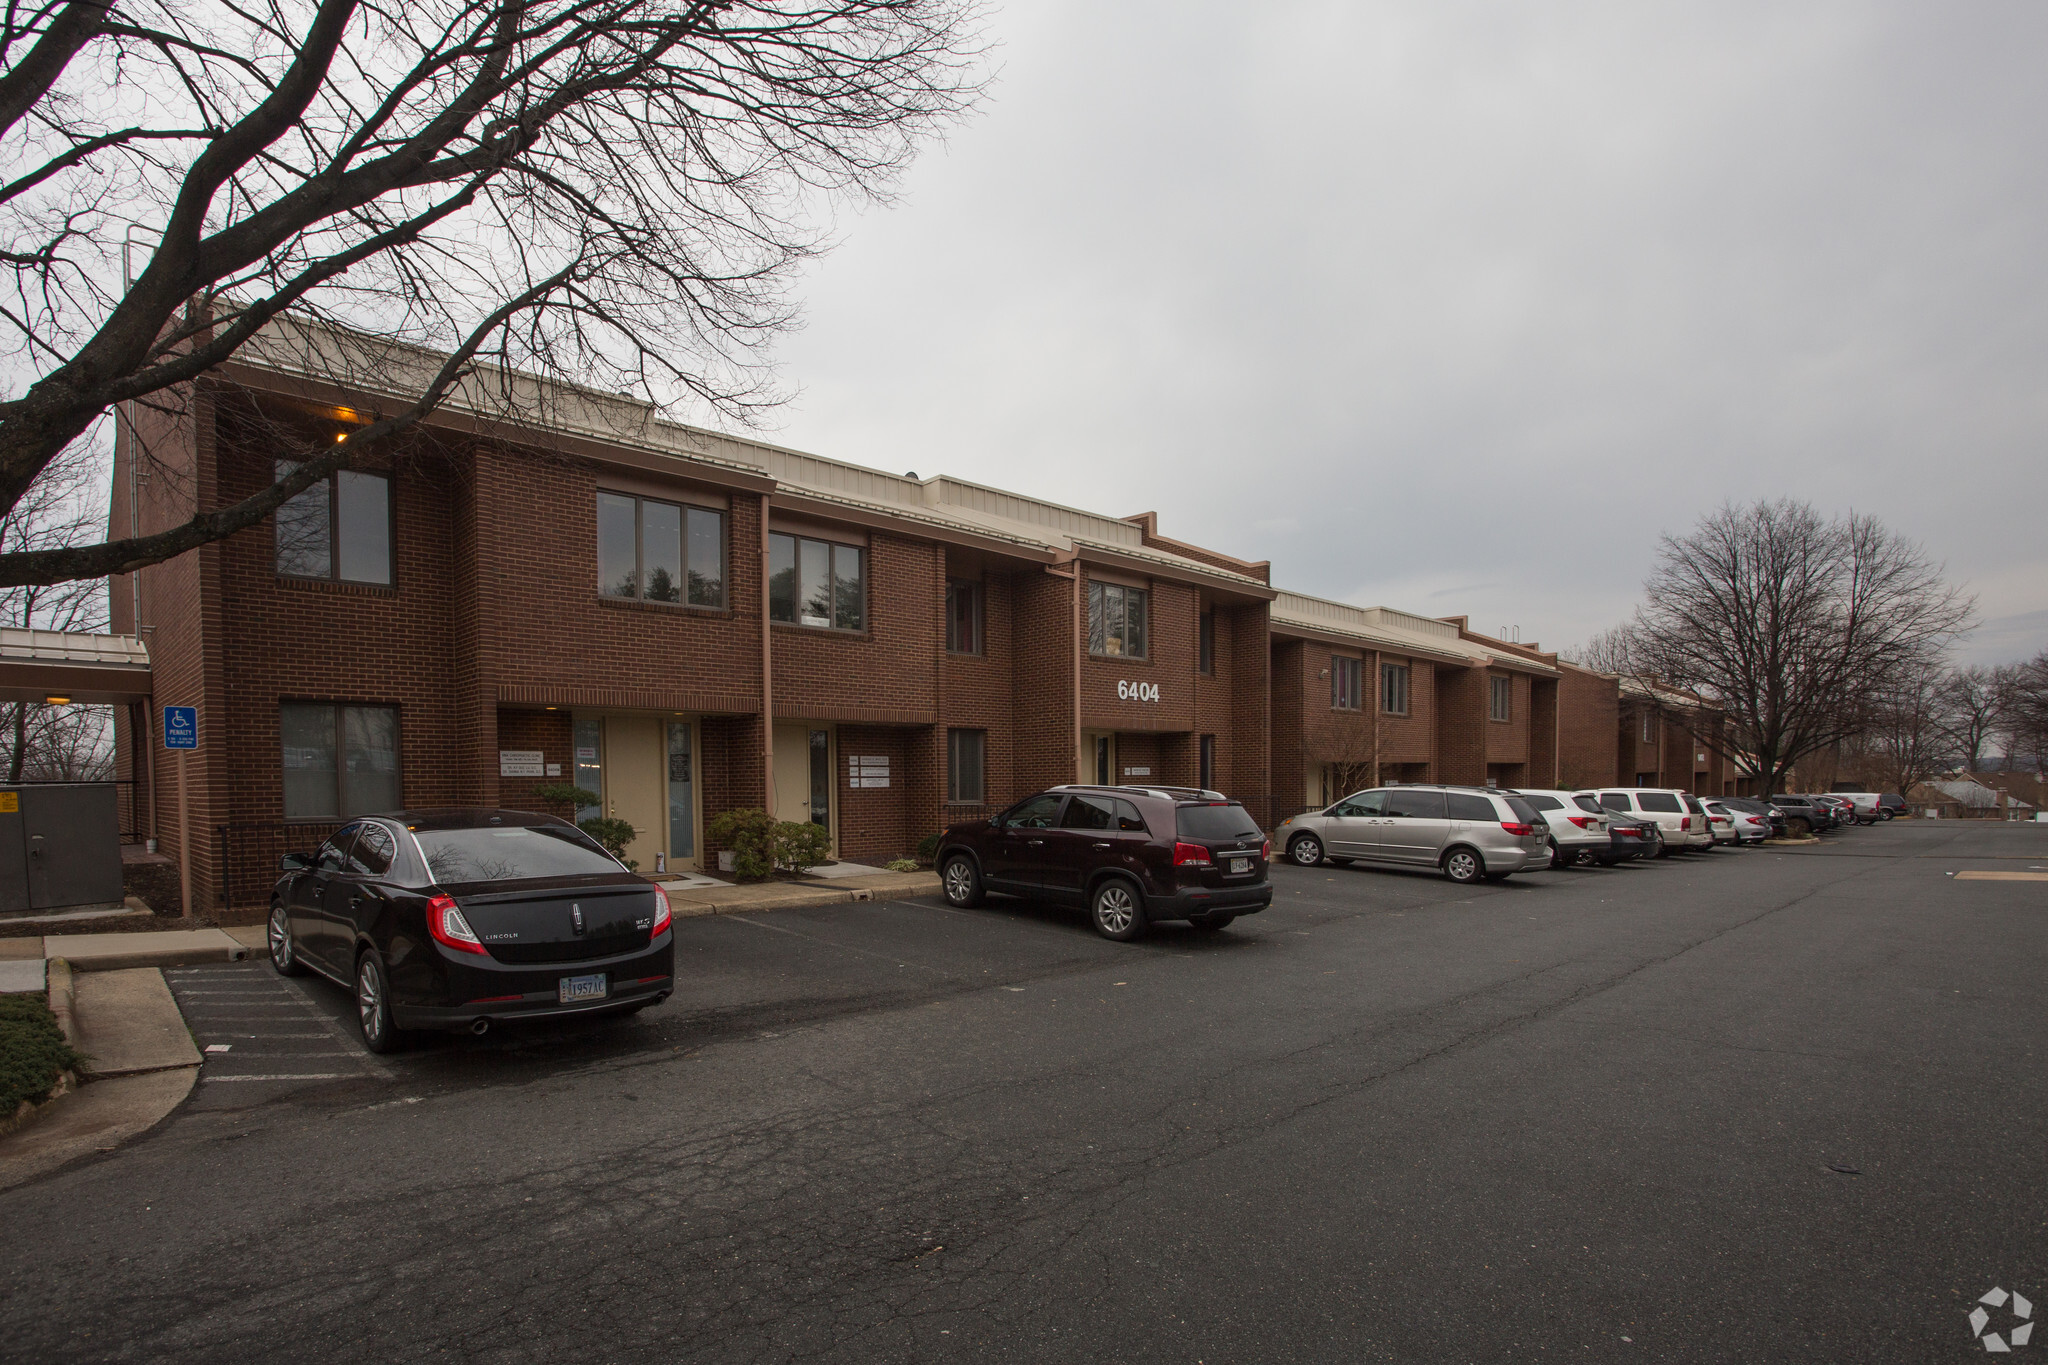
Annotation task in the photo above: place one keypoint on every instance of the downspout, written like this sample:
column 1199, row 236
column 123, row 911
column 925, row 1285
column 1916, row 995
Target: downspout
column 1379, row 704
column 767, row 673
column 1071, row 570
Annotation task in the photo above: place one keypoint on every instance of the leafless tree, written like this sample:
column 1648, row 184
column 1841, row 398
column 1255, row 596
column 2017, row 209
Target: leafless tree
column 1611, row 651
column 1972, row 703
column 62, row 508
column 2024, row 697
column 614, row 192
column 1910, row 734
column 1794, row 622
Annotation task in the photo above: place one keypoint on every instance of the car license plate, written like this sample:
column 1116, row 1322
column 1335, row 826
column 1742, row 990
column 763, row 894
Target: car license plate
column 1240, row 864
column 583, row 987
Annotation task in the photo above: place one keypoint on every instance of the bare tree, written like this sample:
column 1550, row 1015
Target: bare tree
column 607, row 191
column 1611, row 651
column 64, row 507
column 1794, row 622
column 1910, row 733
column 1972, row 702
column 2024, row 698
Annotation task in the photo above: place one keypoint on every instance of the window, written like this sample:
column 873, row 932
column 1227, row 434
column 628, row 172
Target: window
column 1372, row 804
column 1215, row 820
column 963, row 616
column 1207, row 647
column 1545, row 802
column 1649, row 728
column 373, row 851
column 1616, row 801
column 682, row 803
column 590, row 764
column 339, row 760
column 1406, row 804
column 967, row 766
column 1116, row 620
column 1664, row 803
column 1347, row 683
column 1465, row 806
column 513, row 853
column 815, row 583
column 1209, row 762
column 1102, row 812
column 659, row 551
column 1501, row 698
column 1037, row 813
column 1394, row 689
column 339, row 529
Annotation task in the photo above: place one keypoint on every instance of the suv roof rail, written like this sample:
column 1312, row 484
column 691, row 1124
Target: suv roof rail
column 1163, row 793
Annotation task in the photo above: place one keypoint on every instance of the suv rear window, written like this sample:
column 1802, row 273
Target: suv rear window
column 1544, row 802
column 511, row 854
column 1230, row 821
column 1589, row 805
column 1659, row 801
column 1524, row 812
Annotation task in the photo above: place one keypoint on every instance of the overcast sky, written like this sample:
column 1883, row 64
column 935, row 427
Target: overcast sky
column 1457, row 307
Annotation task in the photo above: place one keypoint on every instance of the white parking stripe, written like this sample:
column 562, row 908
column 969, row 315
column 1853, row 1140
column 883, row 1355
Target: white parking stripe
column 302, row 1076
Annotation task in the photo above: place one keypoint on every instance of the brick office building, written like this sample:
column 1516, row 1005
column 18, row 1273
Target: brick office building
column 680, row 621
column 1671, row 738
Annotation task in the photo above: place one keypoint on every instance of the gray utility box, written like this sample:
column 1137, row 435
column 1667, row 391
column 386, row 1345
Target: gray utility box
column 60, row 847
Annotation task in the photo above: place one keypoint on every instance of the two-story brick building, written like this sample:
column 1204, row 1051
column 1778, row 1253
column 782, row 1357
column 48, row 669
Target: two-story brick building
column 678, row 621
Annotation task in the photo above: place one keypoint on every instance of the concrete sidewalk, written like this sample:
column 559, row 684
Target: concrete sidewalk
column 789, row 895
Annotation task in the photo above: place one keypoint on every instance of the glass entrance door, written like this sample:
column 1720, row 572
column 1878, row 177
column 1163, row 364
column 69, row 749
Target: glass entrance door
column 682, row 796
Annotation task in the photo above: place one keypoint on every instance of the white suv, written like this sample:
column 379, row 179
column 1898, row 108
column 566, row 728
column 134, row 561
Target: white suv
column 1680, row 828
column 1578, row 828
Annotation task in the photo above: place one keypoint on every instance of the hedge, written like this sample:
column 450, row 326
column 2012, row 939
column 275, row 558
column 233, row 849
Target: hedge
column 33, row 1053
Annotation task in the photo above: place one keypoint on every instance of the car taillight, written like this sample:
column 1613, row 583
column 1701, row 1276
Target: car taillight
column 1266, row 851
column 1517, row 828
column 1582, row 821
column 1720, row 819
column 450, row 929
column 1685, row 822
column 662, row 916
column 1185, row 854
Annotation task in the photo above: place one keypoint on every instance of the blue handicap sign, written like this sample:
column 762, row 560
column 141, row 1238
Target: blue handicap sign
column 181, row 727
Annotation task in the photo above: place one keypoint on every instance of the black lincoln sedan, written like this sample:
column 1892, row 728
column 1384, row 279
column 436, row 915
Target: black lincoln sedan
column 450, row 919
column 1130, row 854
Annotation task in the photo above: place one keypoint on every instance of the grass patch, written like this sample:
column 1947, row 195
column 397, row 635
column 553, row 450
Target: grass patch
column 33, row 1053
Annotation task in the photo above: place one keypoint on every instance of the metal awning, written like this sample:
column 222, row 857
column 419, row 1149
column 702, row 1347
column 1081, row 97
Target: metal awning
column 41, row 665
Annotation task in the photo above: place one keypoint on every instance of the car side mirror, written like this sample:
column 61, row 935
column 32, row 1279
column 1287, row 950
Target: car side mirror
column 295, row 862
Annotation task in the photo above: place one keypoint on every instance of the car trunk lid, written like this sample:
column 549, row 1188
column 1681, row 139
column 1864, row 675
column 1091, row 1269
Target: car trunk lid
column 560, row 919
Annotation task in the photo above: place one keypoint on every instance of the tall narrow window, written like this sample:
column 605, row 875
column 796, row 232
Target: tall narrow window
column 1347, row 683
column 1649, row 728
column 821, row 778
column 590, row 764
column 816, row 583
column 642, row 551
column 1502, row 698
column 338, row 761
column 682, row 806
column 967, row 766
column 1209, row 762
column 1394, row 689
column 340, row 528
column 963, row 616
column 1116, row 620
column 1206, row 649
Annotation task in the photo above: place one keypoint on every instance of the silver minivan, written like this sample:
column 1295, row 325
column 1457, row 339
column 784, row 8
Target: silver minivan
column 1465, row 832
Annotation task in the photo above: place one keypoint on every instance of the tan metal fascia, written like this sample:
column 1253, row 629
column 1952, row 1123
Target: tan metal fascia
column 795, row 498
column 1407, row 649
column 1163, row 566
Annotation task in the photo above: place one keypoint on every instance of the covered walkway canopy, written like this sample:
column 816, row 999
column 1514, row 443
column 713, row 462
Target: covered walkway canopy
column 64, row 666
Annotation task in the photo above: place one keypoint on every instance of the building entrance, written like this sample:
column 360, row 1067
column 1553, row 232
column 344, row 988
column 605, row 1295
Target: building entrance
column 803, row 775
column 1098, row 758
column 643, row 769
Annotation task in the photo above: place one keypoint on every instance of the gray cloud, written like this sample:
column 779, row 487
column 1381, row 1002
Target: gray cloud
column 1459, row 307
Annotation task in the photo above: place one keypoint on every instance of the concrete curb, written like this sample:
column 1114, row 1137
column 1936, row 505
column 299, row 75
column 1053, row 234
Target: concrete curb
column 63, row 998
column 121, row 952
column 781, row 896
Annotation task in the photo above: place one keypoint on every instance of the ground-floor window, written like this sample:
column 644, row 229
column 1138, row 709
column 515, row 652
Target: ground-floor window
column 339, row 761
column 967, row 766
column 590, row 765
column 682, row 826
column 821, row 778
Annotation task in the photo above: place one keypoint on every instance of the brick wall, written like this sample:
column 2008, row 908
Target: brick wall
column 1588, row 728
column 1461, row 723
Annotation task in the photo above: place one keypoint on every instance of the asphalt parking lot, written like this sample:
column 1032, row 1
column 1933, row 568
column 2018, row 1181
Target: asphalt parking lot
column 1756, row 1105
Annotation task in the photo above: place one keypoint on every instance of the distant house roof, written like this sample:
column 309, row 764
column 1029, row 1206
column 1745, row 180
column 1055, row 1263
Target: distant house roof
column 1973, row 795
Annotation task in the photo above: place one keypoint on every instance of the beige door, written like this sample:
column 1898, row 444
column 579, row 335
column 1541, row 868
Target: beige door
column 804, row 774
column 1098, row 759
column 635, row 783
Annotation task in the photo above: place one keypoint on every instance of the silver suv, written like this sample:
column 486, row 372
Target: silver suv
column 1466, row 832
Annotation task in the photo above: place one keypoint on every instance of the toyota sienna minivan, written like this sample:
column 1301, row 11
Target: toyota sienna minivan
column 1465, row 832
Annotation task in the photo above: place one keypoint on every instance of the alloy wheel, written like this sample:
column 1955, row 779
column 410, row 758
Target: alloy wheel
column 1115, row 908
column 959, row 881
column 280, row 939
column 1306, row 851
column 1462, row 865
column 370, row 999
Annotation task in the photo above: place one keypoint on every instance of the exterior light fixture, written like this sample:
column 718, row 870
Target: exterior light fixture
column 341, row 438
column 57, row 701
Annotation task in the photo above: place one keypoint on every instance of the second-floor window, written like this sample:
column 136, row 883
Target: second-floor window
column 1116, row 620
column 963, row 616
column 816, row 583
column 660, row 551
column 1501, row 698
column 1347, row 683
column 1649, row 728
column 1394, row 689
column 1205, row 658
column 340, row 528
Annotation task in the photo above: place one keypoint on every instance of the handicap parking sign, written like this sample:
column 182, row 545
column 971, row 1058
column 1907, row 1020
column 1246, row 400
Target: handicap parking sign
column 181, row 727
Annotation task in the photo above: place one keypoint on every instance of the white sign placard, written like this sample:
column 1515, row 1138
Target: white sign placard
column 867, row 781
column 1137, row 691
column 522, row 763
column 554, row 770
column 1137, row 772
column 868, row 761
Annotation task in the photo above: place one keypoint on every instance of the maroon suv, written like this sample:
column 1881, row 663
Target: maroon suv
column 1130, row 854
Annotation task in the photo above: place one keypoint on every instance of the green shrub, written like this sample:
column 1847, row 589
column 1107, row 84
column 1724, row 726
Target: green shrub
column 902, row 864
column 33, row 1053
column 928, row 847
column 565, row 794
column 613, row 833
column 750, row 834
column 801, row 847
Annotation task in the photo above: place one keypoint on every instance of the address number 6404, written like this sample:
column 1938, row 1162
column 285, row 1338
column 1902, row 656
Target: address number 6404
column 1137, row 691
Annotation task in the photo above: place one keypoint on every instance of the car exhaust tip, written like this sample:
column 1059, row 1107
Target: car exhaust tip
column 480, row 1027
